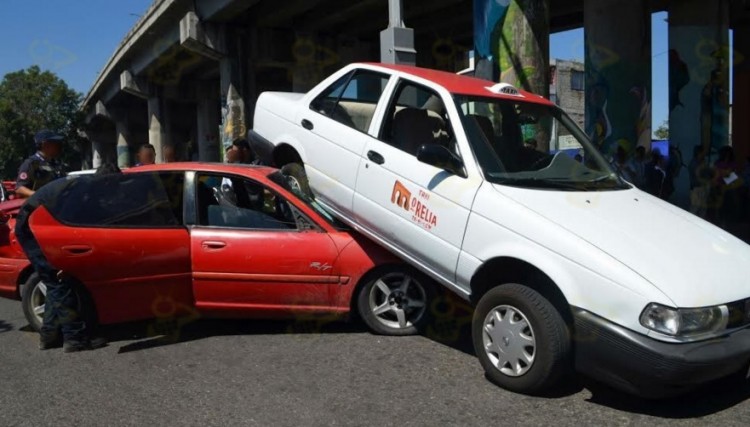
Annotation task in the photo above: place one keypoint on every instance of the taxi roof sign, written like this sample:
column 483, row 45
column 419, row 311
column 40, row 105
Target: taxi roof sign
column 505, row 89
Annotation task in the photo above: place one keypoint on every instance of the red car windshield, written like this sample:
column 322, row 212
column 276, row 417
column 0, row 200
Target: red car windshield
column 281, row 180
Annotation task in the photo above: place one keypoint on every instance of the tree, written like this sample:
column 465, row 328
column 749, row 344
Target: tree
column 31, row 100
column 662, row 132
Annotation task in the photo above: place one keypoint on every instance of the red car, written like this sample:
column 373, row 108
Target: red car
column 210, row 239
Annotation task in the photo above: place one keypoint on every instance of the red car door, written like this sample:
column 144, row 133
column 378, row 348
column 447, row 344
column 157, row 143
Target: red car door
column 123, row 238
column 250, row 257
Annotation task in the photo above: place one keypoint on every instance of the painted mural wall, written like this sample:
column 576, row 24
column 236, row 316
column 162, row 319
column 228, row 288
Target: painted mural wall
column 514, row 36
column 618, row 75
column 699, row 88
column 512, row 45
column 698, row 96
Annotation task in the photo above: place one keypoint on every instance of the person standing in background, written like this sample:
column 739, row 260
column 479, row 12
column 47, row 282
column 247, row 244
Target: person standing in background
column 42, row 167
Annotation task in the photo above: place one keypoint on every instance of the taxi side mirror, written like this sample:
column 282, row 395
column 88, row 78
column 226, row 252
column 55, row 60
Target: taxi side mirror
column 441, row 157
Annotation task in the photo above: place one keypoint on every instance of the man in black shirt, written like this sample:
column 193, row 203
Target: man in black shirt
column 42, row 167
column 61, row 303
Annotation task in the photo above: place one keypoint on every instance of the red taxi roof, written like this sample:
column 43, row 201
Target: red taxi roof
column 462, row 85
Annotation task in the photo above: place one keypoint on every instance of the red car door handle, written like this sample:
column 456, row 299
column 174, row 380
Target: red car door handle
column 77, row 249
column 214, row 244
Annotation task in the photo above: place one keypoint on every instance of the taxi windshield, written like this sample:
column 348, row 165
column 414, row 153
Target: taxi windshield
column 532, row 145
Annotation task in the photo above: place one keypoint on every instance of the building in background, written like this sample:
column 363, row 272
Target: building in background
column 568, row 87
column 568, row 90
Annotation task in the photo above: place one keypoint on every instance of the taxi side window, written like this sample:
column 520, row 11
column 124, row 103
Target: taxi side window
column 352, row 99
column 234, row 202
column 417, row 116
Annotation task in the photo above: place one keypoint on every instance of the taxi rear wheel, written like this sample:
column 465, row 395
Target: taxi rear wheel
column 297, row 178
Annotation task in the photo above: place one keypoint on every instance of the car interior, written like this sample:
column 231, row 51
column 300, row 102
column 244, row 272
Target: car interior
column 237, row 203
column 409, row 127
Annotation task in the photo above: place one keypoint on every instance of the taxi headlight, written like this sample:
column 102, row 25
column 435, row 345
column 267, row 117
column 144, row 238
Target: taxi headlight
column 685, row 322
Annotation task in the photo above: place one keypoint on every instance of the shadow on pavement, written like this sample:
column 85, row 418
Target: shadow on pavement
column 450, row 322
column 450, row 325
column 5, row 326
column 151, row 334
column 709, row 399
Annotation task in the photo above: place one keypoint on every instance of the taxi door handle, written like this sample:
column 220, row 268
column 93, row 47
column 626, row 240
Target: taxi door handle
column 375, row 157
column 213, row 244
column 77, row 249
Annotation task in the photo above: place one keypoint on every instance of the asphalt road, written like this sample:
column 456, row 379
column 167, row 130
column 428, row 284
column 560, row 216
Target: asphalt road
column 227, row 372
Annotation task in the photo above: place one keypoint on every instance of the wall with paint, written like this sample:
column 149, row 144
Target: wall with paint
column 618, row 74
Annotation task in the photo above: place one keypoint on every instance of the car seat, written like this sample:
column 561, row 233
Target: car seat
column 204, row 198
column 413, row 127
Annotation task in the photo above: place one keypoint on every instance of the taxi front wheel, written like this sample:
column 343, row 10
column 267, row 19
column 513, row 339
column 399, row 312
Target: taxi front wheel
column 521, row 340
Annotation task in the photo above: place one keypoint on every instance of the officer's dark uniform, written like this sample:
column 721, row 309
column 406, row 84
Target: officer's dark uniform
column 36, row 171
column 59, row 312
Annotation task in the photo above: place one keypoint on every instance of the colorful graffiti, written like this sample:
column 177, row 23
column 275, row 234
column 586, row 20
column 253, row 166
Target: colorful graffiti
column 698, row 88
column 511, row 35
column 511, row 44
column 233, row 124
column 523, row 57
column 618, row 80
column 488, row 14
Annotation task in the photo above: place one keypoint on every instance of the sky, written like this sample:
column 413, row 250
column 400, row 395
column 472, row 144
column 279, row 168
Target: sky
column 75, row 38
column 72, row 38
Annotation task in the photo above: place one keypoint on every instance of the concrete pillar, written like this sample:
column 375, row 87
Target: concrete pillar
column 511, row 42
column 209, row 123
column 232, row 85
column 523, row 48
column 123, row 143
column 618, row 73
column 698, row 80
column 740, row 127
column 157, row 124
column 96, row 153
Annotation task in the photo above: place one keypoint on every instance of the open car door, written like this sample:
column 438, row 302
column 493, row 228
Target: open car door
column 122, row 236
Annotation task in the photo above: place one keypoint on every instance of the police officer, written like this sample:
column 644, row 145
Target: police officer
column 42, row 167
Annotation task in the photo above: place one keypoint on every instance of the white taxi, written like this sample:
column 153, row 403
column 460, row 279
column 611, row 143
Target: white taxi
column 496, row 194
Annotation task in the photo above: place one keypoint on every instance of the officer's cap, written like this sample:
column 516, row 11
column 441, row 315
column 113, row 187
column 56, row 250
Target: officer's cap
column 47, row 135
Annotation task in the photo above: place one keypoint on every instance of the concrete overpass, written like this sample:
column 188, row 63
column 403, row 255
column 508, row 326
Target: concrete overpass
column 189, row 71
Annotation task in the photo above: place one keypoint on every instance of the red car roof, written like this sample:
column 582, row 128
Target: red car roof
column 256, row 171
column 462, row 85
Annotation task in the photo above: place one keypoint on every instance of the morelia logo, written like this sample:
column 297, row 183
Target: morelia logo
column 420, row 212
column 401, row 196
